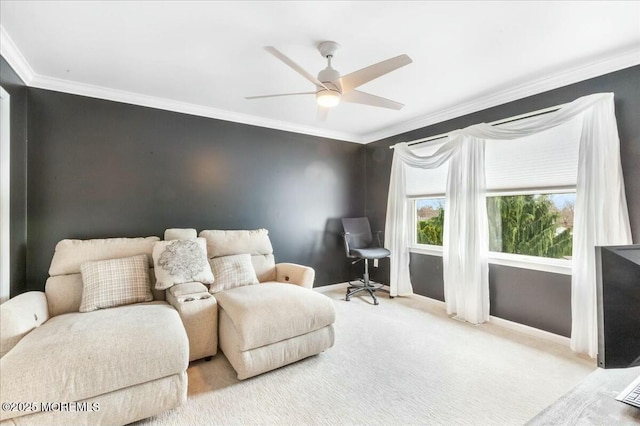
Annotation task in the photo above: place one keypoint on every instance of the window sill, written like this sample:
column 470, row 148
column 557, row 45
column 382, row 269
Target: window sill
column 428, row 250
column 556, row 266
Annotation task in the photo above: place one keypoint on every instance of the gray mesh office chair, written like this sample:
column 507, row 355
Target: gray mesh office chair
column 359, row 244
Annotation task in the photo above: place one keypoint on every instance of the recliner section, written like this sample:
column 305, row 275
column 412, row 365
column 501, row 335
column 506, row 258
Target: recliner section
column 259, row 327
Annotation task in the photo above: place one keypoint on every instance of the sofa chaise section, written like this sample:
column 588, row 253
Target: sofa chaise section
column 127, row 363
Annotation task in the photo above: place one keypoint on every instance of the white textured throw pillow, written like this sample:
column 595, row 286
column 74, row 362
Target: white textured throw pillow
column 115, row 282
column 181, row 261
column 232, row 271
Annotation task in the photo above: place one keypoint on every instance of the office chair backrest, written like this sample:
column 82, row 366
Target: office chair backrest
column 359, row 232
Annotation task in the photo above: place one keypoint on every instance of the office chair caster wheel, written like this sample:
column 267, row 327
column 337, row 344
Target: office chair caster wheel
column 347, row 299
column 375, row 302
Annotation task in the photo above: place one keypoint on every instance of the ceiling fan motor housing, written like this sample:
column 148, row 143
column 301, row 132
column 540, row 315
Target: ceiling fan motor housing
column 331, row 79
column 329, row 96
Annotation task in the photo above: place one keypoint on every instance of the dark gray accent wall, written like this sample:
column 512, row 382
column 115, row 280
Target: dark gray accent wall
column 106, row 169
column 544, row 295
column 534, row 298
column 17, row 90
column 426, row 276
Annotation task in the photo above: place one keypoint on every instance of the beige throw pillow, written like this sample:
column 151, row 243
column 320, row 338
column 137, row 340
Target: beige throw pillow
column 232, row 271
column 181, row 261
column 115, row 282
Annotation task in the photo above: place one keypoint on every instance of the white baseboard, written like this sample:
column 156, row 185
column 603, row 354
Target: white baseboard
column 531, row 331
column 500, row 322
column 521, row 328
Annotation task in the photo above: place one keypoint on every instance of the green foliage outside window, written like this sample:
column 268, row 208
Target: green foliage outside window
column 529, row 225
column 430, row 231
column 521, row 224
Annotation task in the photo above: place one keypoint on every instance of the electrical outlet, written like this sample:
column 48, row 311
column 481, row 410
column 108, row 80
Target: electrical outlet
column 375, row 263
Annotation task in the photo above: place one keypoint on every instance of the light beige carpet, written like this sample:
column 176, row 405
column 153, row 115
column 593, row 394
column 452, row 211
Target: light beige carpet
column 401, row 362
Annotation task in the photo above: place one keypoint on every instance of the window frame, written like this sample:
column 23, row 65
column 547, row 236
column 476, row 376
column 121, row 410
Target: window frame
column 537, row 263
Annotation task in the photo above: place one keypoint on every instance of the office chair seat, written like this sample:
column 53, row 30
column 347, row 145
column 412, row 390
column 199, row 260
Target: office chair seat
column 370, row 252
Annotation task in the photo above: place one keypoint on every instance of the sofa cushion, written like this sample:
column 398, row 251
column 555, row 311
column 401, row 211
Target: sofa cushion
column 232, row 271
column 265, row 267
column 115, row 282
column 181, row 261
column 226, row 243
column 76, row 356
column 179, row 234
column 70, row 254
column 270, row 312
column 256, row 242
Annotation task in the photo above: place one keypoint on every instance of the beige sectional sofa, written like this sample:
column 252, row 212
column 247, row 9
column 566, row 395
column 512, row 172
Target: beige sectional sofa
column 63, row 365
column 60, row 366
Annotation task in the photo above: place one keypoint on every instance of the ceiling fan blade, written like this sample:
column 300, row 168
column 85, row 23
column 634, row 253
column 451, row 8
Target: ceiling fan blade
column 360, row 77
column 322, row 113
column 282, row 94
column 358, row 97
column 275, row 52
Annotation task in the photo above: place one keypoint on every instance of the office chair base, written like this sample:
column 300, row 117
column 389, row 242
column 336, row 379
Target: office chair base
column 369, row 287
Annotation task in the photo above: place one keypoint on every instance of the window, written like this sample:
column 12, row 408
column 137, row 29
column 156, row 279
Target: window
column 530, row 185
column 534, row 224
column 538, row 225
column 429, row 221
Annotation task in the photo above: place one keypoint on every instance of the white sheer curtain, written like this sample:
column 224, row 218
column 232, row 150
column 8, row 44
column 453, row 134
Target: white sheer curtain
column 601, row 215
column 465, row 233
column 399, row 221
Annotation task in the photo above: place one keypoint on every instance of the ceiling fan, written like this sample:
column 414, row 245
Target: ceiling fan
column 331, row 88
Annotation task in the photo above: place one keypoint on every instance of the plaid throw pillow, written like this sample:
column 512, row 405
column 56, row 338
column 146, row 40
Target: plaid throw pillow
column 115, row 282
column 232, row 271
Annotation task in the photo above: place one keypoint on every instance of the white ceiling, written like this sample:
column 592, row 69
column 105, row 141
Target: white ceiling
column 205, row 57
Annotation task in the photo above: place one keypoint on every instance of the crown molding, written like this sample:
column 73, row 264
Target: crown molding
column 13, row 56
column 603, row 65
column 83, row 89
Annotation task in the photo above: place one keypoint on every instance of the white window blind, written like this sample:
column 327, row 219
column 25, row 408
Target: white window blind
column 547, row 159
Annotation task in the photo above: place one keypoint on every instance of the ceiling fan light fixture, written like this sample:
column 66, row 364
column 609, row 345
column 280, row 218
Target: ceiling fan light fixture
column 328, row 98
column 330, row 85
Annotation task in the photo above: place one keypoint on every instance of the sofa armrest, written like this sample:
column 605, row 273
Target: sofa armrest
column 198, row 311
column 20, row 315
column 291, row 273
column 185, row 289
